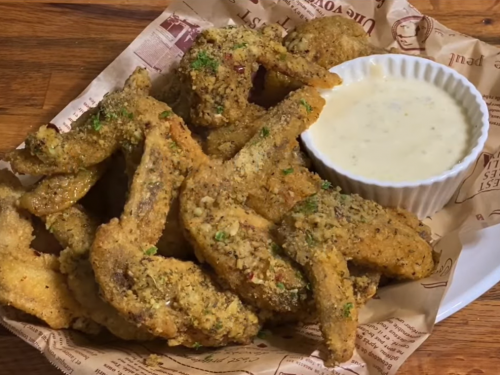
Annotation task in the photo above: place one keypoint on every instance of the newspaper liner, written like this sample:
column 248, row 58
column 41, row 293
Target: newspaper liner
column 400, row 318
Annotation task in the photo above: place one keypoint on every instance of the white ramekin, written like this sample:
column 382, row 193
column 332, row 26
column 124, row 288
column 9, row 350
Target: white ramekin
column 426, row 197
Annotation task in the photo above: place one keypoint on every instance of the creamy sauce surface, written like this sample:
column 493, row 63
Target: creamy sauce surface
column 392, row 129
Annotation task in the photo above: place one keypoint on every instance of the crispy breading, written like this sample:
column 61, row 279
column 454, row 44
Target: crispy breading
column 172, row 299
column 217, row 72
column 30, row 281
column 326, row 41
column 364, row 281
column 75, row 230
column 287, row 184
column 90, row 141
column 225, row 142
column 231, row 237
column 58, row 192
column 329, row 41
column 367, row 233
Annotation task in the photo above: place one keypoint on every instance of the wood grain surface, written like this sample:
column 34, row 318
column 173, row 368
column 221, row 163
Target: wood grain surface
column 44, row 64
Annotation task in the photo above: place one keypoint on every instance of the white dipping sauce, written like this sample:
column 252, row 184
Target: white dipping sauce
column 392, row 129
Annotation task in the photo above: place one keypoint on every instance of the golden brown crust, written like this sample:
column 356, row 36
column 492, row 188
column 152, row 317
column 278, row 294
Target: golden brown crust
column 365, row 232
column 172, row 299
column 93, row 138
column 31, row 281
column 217, row 72
column 232, row 238
column 75, row 230
column 58, row 192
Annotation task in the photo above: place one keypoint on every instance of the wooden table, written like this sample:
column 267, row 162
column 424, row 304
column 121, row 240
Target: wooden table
column 44, row 64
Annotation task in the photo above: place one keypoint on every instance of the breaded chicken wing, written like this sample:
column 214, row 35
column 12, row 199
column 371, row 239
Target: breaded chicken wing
column 171, row 299
column 93, row 138
column 75, row 230
column 234, row 239
column 30, row 281
column 58, row 192
column 217, row 72
column 326, row 41
column 365, row 232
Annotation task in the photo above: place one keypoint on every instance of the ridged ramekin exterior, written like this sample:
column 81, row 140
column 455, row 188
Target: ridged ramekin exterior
column 426, row 197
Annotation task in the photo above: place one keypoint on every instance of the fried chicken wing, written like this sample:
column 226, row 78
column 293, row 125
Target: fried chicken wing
column 31, row 281
column 89, row 142
column 232, row 238
column 367, row 233
column 332, row 287
column 58, row 192
column 75, row 230
column 172, row 299
column 217, row 72
column 326, row 41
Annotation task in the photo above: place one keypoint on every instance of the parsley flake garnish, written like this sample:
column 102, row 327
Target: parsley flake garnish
column 240, row 45
column 326, row 185
column 275, row 248
column 204, row 61
column 209, row 357
column 287, row 171
column 310, row 205
column 126, row 113
column 299, row 275
column 310, row 239
column 218, row 325
column 219, row 109
column 197, row 345
column 151, row 251
column 307, row 105
column 110, row 115
column 165, row 114
column 280, row 286
column 220, row 236
column 264, row 132
column 96, row 122
column 347, row 309
column 173, row 145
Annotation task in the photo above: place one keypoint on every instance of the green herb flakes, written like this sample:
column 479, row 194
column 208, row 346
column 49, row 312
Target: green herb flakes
column 310, row 205
column 310, row 239
column 218, row 326
column 125, row 113
column 220, row 236
column 197, row 345
column 219, row 109
column 306, row 105
column 209, row 357
column 165, row 114
column 151, row 251
column 240, row 45
column 280, row 286
column 204, row 61
column 173, row 145
column 264, row 132
column 96, row 122
column 275, row 248
column 287, row 171
column 325, row 185
column 111, row 116
column 347, row 309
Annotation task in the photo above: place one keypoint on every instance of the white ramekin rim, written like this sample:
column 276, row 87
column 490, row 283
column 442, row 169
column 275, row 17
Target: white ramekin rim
column 453, row 172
